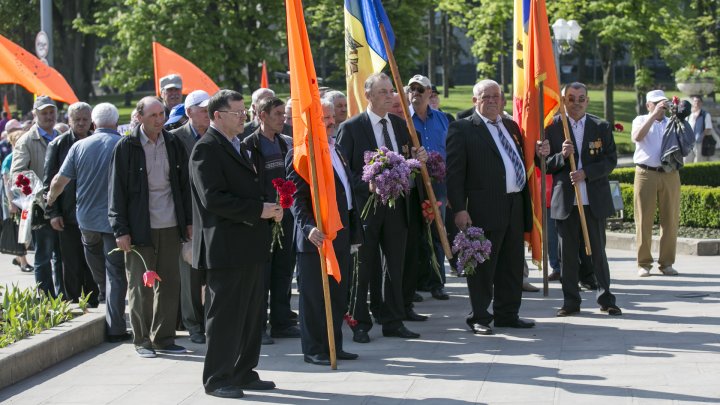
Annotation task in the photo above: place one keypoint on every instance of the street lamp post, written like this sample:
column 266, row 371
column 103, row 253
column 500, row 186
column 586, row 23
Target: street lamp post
column 566, row 33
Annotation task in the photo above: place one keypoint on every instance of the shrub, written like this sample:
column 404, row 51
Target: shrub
column 699, row 206
column 696, row 174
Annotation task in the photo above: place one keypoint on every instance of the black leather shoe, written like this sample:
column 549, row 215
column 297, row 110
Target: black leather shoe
column 563, row 312
column 439, row 294
column 343, row 355
column 119, row 338
column 480, row 329
column 417, row 298
column 588, row 286
column 401, row 332
column 197, row 338
column 361, row 336
column 289, row 332
column 231, row 391
column 612, row 310
column 320, row 359
column 411, row 315
column 554, row 276
column 258, row 385
column 519, row 323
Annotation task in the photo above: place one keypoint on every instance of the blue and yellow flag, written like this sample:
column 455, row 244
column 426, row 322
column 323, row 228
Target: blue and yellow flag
column 364, row 49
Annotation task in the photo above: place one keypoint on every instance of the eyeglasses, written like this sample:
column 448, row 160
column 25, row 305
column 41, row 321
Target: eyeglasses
column 239, row 114
column 419, row 89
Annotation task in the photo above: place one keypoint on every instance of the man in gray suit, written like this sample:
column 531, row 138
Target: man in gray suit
column 192, row 280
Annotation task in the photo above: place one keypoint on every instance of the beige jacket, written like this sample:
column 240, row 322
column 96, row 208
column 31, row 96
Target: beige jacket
column 29, row 153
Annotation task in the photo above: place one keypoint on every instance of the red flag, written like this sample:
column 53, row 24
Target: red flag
column 6, row 107
column 168, row 62
column 264, row 77
column 21, row 67
column 535, row 63
column 307, row 123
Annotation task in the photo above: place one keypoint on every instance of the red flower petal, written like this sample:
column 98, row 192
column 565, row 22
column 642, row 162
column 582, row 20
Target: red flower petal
column 277, row 183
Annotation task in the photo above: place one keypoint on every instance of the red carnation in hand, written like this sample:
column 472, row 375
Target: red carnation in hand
column 277, row 183
column 288, row 188
column 676, row 100
column 619, row 127
column 26, row 190
column 286, row 201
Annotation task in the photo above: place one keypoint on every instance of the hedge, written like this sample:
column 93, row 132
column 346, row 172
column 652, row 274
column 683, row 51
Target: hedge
column 696, row 174
column 699, row 206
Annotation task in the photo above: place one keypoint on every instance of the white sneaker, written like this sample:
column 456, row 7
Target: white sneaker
column 643, row 272
column 668, row 271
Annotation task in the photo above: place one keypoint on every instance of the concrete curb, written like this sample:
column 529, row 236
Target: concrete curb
column 685, row 246
column 33, row 354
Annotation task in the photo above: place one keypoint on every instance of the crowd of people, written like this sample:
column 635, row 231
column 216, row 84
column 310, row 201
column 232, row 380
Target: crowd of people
column 175, row 209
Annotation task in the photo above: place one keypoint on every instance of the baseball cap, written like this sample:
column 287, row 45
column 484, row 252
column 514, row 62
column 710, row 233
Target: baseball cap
column 13, row 124
column 435, row 90
column 43, row 102
column 655, row 96
column 421, row 80
column 171, row 81
column 199, row 98
column 176, row 114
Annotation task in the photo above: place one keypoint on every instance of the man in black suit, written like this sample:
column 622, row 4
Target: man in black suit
column 385, row 227
column 231, row 241
column 308, row 238
column 487, row 188
column 597, row 157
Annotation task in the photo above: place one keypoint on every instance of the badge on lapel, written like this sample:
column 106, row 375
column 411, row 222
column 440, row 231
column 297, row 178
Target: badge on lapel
column 405, row 150
column 595, row 147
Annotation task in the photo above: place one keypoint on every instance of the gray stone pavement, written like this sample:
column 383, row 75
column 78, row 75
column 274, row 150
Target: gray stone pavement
column 664, row 349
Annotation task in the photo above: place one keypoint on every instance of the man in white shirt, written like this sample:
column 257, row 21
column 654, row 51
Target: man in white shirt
column 653, row 184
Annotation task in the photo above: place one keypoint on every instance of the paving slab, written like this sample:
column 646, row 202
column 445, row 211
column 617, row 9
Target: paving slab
column 664, row 349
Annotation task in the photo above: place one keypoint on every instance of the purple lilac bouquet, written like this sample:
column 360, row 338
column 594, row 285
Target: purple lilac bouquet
column 391, row 174
column 471, row 248
column 436, row 167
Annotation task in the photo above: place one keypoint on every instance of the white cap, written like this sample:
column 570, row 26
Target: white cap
column 655, row 96
column 421, row 80
column 198, row 98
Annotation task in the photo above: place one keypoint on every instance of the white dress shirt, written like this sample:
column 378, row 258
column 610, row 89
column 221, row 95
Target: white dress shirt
column 340, row 170
column 510, row 184
column 378, row 130
column 578, row 129
column 649, row 150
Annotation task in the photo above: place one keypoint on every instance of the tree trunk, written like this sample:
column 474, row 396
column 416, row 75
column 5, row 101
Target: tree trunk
column 608, row 65
column 431, row 46
column 446, row 29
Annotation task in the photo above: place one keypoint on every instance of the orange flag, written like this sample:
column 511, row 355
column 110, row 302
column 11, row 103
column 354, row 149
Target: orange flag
column 168, row 62
column 264, row 77
column 6, row 107
column 307, row 123
column 534, row 63
column 21, row 67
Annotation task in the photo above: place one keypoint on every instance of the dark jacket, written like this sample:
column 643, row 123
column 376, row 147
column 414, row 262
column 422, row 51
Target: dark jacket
column 476, row 174
column 186, row 136
column 252, row 143
column 66, row 205
column 227, row 203
column 129, row 196
column 599, row 158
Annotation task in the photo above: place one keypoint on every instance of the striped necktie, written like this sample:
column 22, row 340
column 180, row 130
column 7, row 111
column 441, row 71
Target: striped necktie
column 386, row 135
column 514, row 158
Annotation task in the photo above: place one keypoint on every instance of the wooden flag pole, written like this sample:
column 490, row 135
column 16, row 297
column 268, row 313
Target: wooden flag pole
column 578, row 197
column 543, row 188
column 416, row 143
column 323, row 264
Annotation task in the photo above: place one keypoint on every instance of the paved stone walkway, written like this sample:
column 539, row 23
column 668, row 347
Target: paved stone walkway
column 665, row 349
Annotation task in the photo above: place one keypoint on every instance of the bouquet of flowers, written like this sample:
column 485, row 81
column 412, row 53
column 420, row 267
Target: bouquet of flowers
column 471, row 248
column 436, row 167
column 27, row 190
column 285, row 190
column 390, row 173
column 150, row 276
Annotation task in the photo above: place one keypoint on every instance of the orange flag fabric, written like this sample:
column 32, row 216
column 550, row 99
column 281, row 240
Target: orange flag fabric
column 168, row 62
column 6, row 107
column 19, row 66
column 534, row 63
column 307, row 123
column 264, row 77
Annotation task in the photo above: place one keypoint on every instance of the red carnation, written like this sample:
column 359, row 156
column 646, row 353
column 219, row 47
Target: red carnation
column 676, row 100
column 350, row 321
column 277, row 183
column 288, row 188
column 25, row 181
column 18, row 183
column 26, row 190
column 286, row 201
column 619, row 127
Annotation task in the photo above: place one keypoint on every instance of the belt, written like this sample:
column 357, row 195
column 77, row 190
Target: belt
column 646, row 167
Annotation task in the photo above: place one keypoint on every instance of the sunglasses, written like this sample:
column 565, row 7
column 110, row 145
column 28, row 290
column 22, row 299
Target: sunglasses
column 419, row 89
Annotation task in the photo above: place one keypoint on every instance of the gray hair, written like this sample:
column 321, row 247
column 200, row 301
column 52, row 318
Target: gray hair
column 333, row 95
column 326, row 102
column 374, row 78
column 576, row 86
column 77, row 107
column 260, row 94
column 483, row 85
column 105, row 115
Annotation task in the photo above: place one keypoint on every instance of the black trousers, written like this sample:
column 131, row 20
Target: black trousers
column 77, row 276
column 191, row 306
column 416, row 259
column 278, row 278
column 386, row 229
column 501, row 275
column 313, row 324
column 233, row 319
column 571, row 242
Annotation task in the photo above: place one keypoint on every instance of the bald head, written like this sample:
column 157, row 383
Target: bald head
column 151, row 114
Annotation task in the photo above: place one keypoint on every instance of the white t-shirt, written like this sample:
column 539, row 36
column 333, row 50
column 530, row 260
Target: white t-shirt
column 649, row 150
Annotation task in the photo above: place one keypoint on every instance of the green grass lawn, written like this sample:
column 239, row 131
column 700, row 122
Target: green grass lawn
column 461, row 98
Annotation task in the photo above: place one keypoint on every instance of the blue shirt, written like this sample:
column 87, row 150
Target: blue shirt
column 48, row 137
column 6, row 163
column 88, row 162
column 433, row 131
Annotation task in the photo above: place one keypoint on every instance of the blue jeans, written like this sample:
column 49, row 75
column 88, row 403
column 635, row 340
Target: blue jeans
column 48, row 263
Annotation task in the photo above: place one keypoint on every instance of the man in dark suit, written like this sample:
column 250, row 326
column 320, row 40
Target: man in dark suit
column 487, row 188
column 231, row 241
column 308, row 238
column 596, row 158
column 385, row 227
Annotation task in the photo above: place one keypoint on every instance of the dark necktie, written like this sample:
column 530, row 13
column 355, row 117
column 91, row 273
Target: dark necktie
column 514, row 158
column 386, row 135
